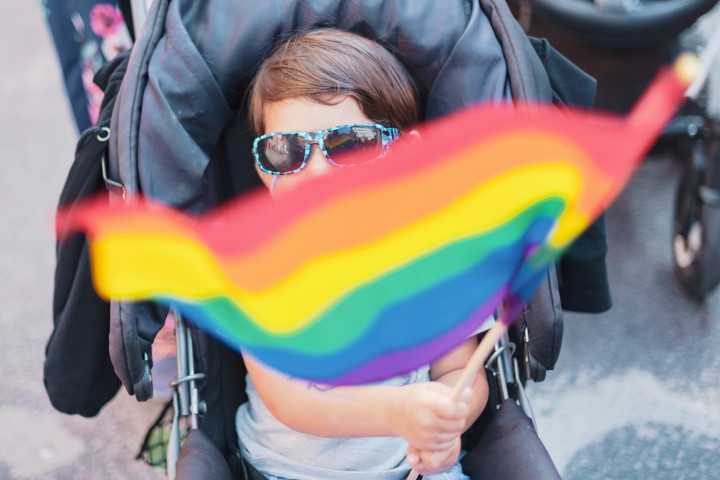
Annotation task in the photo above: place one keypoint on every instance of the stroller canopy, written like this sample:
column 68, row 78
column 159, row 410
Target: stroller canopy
column 194, row 60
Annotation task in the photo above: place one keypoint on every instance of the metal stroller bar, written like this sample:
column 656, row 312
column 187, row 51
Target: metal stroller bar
column 507, row 374
column 186, row 402
column 182, row 364
column 523, row 400
column 503, row 372
column 506, row 366
column 712, row 49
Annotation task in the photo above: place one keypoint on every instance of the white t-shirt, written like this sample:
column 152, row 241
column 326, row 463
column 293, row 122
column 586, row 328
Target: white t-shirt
column 277, row 450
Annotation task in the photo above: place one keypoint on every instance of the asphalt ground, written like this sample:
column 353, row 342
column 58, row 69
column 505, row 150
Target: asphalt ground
column 635, row 393
column 37, row 143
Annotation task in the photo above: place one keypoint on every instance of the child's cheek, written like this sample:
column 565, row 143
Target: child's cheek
column 281, row 184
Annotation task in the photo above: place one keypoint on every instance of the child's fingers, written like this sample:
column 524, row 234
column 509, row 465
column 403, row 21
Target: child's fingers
column 425, row 470
column 466, row 395
column 413, row 455
column 441, row 443
column 449, row 409
column 432, row 462
column 450, row 428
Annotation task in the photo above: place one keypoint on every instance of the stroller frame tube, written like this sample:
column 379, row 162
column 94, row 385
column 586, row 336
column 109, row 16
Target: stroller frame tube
column 181, row 345
column 712, row 48
column 186, row 401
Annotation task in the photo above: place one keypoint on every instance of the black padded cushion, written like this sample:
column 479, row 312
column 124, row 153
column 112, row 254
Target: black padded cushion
column 510, row 449
column 201, row 460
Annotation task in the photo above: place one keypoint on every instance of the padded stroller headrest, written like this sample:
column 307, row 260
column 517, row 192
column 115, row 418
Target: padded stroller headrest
column 233, row 41
column 193, row 61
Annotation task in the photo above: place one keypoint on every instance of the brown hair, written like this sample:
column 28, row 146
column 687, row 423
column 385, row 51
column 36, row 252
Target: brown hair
column 324, row 64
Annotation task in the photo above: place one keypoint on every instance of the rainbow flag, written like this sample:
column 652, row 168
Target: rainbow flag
column 376, row 270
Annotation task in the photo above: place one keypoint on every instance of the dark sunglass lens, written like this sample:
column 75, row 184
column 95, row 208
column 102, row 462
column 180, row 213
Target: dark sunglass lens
column 282, row 153
column 354, row 144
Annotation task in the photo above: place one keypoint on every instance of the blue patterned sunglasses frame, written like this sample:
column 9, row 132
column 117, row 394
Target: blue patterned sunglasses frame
column 352, row 137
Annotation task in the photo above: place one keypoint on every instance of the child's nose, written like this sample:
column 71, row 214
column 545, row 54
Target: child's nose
column 317, row 163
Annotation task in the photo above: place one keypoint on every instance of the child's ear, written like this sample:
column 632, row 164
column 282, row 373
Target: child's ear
column 412, row 135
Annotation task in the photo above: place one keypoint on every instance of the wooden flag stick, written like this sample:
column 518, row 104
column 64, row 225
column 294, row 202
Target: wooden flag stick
column 482, row 352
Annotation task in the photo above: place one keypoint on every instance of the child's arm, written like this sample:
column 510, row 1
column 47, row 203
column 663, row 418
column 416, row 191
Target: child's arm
column 447, row 370
column 421, row 413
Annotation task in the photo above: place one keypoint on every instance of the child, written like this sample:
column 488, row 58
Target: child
column 349, row 93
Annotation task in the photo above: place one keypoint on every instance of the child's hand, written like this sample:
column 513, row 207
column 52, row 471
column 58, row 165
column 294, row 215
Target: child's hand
column 428, row 418
column 428, row 462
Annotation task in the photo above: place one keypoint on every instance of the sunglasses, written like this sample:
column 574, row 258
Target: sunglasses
column 283, row 153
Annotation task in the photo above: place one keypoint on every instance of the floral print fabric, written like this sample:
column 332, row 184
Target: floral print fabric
column 87, row 34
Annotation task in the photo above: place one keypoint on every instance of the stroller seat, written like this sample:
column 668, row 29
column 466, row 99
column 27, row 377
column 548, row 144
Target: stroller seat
column 178, row 134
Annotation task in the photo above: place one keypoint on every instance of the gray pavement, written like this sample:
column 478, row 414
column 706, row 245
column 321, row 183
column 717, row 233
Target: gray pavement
column 636, row 392
column 37, row 142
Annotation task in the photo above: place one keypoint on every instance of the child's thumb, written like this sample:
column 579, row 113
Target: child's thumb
column 413, row 455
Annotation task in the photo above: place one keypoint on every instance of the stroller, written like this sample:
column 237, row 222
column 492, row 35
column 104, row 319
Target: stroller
column 173, row 132
column 622, row 44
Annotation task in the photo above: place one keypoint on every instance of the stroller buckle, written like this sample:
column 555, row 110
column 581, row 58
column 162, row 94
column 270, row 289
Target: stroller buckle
column 112, row 185
column 187, row 378
column 498, row 351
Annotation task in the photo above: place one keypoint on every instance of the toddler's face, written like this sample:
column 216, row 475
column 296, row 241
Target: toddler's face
column 304, row 115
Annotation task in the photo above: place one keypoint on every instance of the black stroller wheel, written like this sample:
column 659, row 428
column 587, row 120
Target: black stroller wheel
column 696, row 238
